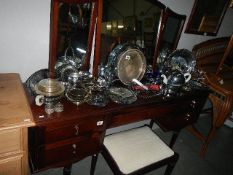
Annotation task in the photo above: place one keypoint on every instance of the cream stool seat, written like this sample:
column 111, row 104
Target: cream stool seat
column 136, row 148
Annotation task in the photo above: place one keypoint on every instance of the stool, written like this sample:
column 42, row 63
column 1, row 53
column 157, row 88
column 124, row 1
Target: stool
column 136, row 151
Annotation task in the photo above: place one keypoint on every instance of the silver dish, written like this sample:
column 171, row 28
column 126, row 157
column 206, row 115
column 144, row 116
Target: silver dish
column 77, row 95
column 182, row 60
column 122, row 95
column 126, row 62
column 34, row 79
column 49, row 87
column 98, row 98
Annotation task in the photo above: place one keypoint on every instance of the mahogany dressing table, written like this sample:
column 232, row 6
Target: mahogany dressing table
column 61, row 139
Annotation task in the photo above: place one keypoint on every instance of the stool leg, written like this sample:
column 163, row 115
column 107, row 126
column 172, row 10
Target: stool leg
column 67, row 169
column 93, row 163
column 171, row 166
column 151, row 123
column 173, row 139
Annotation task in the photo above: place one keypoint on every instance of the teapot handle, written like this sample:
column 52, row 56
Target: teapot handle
column 187, row 77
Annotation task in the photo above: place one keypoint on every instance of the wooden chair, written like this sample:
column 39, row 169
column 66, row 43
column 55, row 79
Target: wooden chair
column 211, row 58
column 136, row 151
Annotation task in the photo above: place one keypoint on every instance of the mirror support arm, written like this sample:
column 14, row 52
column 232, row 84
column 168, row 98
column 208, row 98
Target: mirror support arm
column 158, row 39
column 98, row 39
column 53, row 36
column 90, row 37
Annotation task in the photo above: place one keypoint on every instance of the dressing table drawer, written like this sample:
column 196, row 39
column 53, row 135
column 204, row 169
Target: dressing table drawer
column 67, row 152
column 181, row 114
column 73, row 130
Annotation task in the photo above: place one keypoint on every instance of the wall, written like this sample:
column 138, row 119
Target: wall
column 24, row 33
column 189, row 40
column 24, row 36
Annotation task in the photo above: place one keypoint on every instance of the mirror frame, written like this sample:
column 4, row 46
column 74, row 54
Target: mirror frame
column 164, row 18
column 95, row 28
column 192, row 16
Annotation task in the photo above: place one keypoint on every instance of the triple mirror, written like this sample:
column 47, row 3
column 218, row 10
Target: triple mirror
column 87, row 30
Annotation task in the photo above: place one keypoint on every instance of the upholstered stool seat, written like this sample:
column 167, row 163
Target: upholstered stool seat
column 136, row 152
column 136, row 148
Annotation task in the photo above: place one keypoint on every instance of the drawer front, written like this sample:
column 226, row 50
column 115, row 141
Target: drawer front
column 67, row 153
column 180, row 115
column 174, row 116
column 159, row 112
column 75, row 129
column 10, row 141
column 11, row 166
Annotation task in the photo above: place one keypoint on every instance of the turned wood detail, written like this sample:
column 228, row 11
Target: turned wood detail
column 211, row 56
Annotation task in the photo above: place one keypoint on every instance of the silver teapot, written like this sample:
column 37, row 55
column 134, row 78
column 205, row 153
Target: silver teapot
column 176, row 78
column 174, row 81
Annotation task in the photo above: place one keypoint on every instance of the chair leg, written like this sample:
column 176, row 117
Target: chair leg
column 171, row 166
column 93, row 163
column 207, row 141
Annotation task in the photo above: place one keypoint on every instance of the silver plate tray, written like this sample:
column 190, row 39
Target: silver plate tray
column 122, row 95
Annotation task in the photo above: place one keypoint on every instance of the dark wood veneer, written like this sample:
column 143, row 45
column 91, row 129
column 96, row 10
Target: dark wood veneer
column 54, row 137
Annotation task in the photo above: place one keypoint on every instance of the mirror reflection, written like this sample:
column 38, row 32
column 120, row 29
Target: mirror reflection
column 132, row 21
column 170, row 34
column 172, row 27
column 73, row 29
column 206, row 16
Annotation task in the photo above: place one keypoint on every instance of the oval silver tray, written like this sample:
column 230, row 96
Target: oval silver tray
column 122, row 95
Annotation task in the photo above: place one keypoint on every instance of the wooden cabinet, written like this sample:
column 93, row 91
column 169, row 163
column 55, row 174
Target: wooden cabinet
column 15, row 117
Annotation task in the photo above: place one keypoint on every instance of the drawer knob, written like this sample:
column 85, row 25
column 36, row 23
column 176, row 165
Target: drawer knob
column 187, row 116
column 76, row 127
column 74, row 146
column 193, row 103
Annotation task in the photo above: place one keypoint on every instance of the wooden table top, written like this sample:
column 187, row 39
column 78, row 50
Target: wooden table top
column 14, row 107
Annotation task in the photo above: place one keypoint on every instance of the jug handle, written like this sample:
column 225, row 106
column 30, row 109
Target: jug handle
column 187, row 77
column 39, row 100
